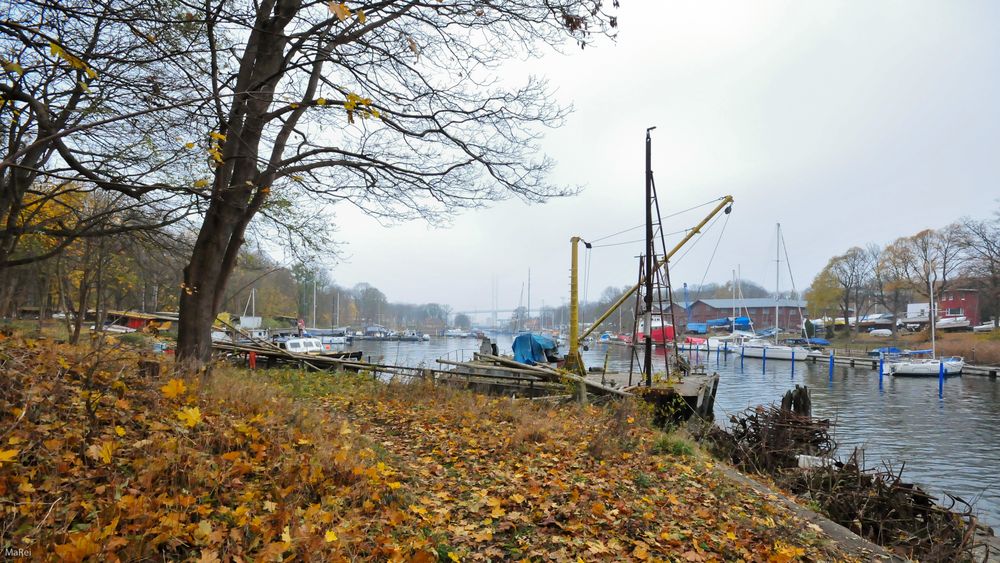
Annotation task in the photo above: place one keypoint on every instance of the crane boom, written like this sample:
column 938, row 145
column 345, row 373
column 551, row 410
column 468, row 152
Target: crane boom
column 723, row 204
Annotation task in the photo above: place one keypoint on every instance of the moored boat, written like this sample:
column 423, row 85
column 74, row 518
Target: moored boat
column 913, row 365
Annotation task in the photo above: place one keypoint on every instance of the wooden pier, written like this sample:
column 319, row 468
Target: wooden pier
column 489, row 374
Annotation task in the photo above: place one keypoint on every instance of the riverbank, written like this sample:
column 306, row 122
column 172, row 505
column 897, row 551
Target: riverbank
column 99, row 462
column 976, row 348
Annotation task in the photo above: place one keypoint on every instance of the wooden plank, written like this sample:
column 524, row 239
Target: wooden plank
column 556, row 375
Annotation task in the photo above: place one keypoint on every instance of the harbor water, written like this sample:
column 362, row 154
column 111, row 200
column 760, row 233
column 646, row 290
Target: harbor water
column 949, row 444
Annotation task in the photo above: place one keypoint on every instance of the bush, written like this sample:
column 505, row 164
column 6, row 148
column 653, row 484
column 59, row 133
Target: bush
column 670, row 444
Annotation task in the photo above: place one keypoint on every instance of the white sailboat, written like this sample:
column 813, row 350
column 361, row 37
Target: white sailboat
column 927, row 367
column 760, row 348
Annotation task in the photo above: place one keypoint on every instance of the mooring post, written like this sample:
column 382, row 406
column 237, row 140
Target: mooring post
column 741, row 357
column 793, row 362
column 881, row 368
column 831, row 365
column 940, row 380
column 763, row 363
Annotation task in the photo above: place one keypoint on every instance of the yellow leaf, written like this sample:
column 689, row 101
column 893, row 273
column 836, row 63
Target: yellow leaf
column 190, row 416
column 26, row 488
column 394, row 485
column 362, row 17
column 102, row 452
column 286, row 535
column 13, row 67
column 321, row 101
column 293, row 105
column 330, row 536
column 174, row 388
column 217, row 136
column 189, row 145
column 270, row 506
column 454, row 556
column 119, row 430
column 340, row 10
column 7, row 456
column 517, row 498
column 91, row 73
column 203, row 530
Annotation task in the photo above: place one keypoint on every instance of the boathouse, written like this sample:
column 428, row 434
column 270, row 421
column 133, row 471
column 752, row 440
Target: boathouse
column 760, row 310
column 959, row 303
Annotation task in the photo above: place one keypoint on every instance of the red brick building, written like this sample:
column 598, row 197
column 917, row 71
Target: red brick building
column 959, row 303
column 760, row 310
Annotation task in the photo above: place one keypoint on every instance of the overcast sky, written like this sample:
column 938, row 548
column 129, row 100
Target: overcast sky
column 847, row 122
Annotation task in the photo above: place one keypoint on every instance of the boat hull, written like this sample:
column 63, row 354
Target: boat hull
column 926, row 368
column 775, row 352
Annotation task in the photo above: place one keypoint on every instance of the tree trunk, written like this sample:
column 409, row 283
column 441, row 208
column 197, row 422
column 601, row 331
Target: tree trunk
column 239, row 189
column 205, row 277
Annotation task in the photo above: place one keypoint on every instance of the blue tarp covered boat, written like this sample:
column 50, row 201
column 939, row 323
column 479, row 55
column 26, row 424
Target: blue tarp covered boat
column 697, row 328
column 530, row 348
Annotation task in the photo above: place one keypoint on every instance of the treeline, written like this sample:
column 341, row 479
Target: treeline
column 962, row 255
column 141, row 271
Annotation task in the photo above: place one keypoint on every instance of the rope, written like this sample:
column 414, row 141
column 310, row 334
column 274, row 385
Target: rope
column 714, row 250
column 610, row 244
column 664, row 217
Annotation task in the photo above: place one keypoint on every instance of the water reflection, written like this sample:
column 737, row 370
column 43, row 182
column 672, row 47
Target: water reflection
column 947, row 444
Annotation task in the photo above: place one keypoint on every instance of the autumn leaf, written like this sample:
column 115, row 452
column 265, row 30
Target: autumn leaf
column 330, row 536
column 175, row 387
column 190, row 416
column 217, row 136
column 340, row 10
column 16, row 68
column 119, row 430
column 103, row 452
column 362, row 17
column 7, row 456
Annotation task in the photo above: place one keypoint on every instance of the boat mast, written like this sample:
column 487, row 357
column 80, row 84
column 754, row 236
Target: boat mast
column 931, row 318
column 732, row 327
column 777, row 279
column 648, row 351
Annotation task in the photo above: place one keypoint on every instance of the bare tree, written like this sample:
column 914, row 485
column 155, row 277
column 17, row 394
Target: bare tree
column 892, row 284
column 853, row 272
column 393, row 106
column 83, row 108
column 981, row 243
column 935, row 257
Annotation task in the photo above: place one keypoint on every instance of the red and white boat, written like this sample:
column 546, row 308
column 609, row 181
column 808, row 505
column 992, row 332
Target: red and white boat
column 661, row 333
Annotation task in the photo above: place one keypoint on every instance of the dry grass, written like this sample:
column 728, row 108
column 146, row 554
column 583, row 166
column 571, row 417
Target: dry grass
column 976, row 348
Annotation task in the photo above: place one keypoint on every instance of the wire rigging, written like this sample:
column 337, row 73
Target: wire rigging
column 664, row 217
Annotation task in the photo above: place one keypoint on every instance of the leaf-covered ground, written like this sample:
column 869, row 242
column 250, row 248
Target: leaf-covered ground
column 98, row 463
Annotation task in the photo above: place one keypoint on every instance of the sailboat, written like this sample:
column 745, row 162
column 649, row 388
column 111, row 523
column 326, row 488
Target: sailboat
column 912, row 364
column 760, row 348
